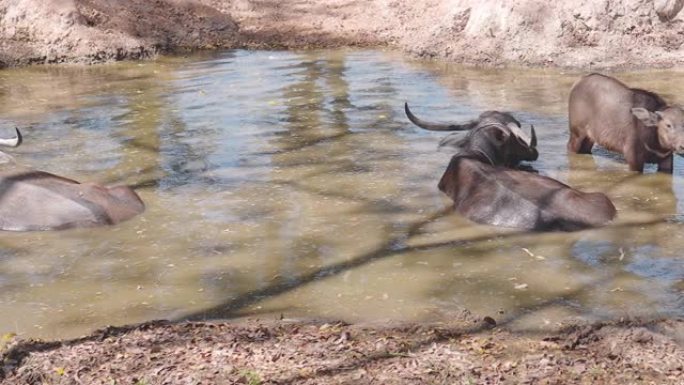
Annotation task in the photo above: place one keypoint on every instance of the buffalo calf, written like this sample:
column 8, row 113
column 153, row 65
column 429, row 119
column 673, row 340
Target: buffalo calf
column 635, row 122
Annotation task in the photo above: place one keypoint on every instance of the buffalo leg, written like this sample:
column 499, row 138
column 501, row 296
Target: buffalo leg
column 585, row 147
column 665, row 165
column 580, row 144
column 635, row 159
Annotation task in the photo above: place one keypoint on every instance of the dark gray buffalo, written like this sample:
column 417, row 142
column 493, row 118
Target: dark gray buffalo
column 637, row 123
column 36, row 200
column 485, row 190
column 519, row 145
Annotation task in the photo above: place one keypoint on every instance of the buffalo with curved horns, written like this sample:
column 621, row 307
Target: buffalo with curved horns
column 518, row 146
column 485, row 190
column 37, row 200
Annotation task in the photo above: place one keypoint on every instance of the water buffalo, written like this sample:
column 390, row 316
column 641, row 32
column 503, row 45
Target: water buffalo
column 635, row 122
column 519, row 146
column 486, row 191
column 36, row 200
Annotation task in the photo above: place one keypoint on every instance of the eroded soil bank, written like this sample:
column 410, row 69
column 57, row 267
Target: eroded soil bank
column 466, row 351
column 580, row 33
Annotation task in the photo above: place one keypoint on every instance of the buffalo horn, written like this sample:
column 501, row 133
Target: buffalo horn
column 437, row 126
column 14, row 142
column 533, row 141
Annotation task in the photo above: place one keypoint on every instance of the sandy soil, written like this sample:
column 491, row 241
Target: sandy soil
column 465, row 351
column 580, row 33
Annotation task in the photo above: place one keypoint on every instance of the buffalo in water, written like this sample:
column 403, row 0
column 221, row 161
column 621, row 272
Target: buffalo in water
column 518, row 146
column 486, row 190
column 635, row 122
column 36, row 200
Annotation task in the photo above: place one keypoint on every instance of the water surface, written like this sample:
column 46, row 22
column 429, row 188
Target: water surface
column 291, row 184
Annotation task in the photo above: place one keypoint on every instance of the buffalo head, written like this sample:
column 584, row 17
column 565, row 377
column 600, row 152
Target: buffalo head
column 495, row 136
column 670, row 125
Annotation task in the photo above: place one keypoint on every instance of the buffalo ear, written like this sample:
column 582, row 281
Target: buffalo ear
column 500, row 134
column 648, row 118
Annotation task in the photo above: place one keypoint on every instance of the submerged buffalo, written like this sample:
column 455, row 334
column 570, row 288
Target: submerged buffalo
column 36, row 200
column 635, row 122
column 486, row 191
column 518, row 147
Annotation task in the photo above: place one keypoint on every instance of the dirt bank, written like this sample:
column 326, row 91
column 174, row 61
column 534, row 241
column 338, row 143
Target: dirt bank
column 89, row 31
column 465, row 351
column 598, row 33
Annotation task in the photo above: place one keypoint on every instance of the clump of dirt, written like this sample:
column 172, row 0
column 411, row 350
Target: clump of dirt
column 578, row 33
column 463, row 351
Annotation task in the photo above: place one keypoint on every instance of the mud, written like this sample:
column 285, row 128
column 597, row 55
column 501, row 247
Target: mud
column 577, row 33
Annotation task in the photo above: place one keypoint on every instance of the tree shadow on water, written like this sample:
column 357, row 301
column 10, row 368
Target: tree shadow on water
column 391, row 248
column 283, row 285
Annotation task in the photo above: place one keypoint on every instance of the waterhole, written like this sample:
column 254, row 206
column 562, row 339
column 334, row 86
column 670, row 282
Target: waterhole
column 290, row 184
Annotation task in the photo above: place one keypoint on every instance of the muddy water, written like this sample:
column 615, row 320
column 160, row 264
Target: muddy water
column 290, row 184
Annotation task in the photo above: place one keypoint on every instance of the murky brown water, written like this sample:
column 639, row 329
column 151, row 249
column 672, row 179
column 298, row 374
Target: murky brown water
column 291, row 183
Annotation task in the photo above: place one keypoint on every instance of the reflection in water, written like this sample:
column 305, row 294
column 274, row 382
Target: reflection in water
column 291, row 183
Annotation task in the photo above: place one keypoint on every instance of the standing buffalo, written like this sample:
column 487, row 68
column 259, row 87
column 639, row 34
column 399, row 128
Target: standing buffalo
column 37, row 200
column 486, row 191
column 637, row 123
